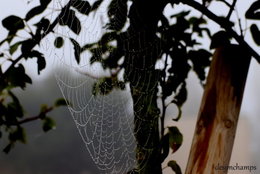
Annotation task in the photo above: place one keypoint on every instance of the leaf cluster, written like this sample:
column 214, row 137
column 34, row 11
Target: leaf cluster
column 254, row 14
column 12, row 114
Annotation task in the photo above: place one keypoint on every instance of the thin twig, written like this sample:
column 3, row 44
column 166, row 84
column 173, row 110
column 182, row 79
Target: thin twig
column 224, row 23
column 226, row 3
column 239, row 23
column 231, row 9
column 40, row 116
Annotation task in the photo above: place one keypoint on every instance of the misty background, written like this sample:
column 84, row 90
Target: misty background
column 61, row 151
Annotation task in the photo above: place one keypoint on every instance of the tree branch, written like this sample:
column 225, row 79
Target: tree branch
column 226, row 3
column 26, row 120
column 40, row 116
column 224, row 23
column 37, row 40
column 231, row 9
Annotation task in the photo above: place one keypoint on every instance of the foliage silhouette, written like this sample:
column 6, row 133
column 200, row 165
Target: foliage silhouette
column 149, row 36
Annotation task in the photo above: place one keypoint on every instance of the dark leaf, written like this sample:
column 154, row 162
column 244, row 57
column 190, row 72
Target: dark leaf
column 8, row 148
column 186, row 37
column 82, row 6
column 27, row 47
column 60, row 102
column 44, row 109
column 253, row 11
column 45, row 2
column 197, row 21
column 68, row 18
column 17, row 77
column 77, row 49
column 96, row 4
column 11, row 35
column 255, row 33
column 220, row 38
column 179, row 100
column 41, row 63
column 13, row 23
column 169, row 86
column 18, row 109
column 180, row 66
column 165, row 147
column 14, row 47
column 2, row 111
column 165, row 21
column 181, row 14
column 182, row 24
column 175, row 167
column 181, row 96
column 34, row 53
column 35, row 11
column 48, row 124
column 18, row 135
column 179, row 70
column 11, row 117
column 207, row 31
column 27, row 79
column 58, row 43
column 13, row 112
column 42, row 26
column 179, row 114
column 175, row 138
column 40, row 59
column 117, row 13
column 3, row 83
column 200, row 60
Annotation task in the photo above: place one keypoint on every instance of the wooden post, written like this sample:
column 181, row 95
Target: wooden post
column 218, row 116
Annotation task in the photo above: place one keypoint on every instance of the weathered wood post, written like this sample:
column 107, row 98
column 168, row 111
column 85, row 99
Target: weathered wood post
column 218, row 116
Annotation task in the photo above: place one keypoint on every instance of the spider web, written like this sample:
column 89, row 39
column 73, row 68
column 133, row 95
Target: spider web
column 105, row 122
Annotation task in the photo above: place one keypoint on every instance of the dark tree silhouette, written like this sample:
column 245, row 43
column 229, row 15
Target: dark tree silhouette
column 143, row 35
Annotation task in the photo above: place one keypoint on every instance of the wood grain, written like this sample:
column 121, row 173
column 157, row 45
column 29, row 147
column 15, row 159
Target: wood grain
column 219, row 111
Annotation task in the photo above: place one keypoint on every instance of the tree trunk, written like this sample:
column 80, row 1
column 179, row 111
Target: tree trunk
column 218, row 116
column 141, row 52
column 140, row 72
